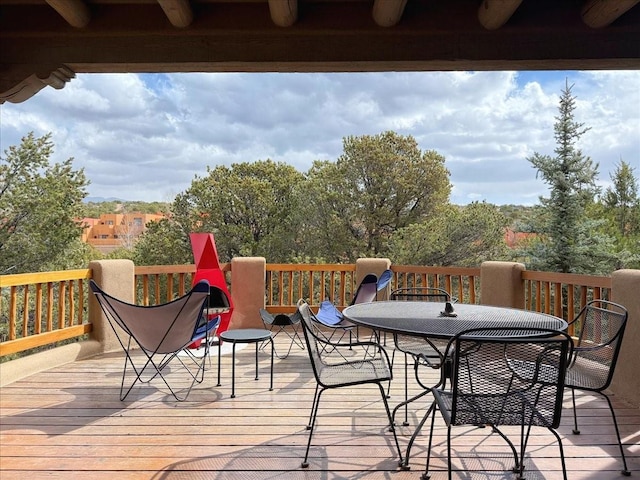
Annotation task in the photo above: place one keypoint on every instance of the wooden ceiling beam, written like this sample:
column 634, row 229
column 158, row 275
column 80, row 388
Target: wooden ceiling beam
column 387, row 13
column 178, row 12
column 601, row 13
column 75, row 12
column 284, row 13
column 327, row 35
column 493, row 14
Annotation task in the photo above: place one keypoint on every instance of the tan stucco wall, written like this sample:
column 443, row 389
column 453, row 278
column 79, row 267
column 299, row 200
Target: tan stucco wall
column 365, row 266
column 626, row 291
column 502, row 284
column 117, row 278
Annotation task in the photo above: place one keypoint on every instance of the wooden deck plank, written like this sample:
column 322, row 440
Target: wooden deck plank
column 68, row 423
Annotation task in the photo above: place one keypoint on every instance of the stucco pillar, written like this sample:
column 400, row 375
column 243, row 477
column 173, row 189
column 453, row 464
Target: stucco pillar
column 501, row 284
column 365, row 266
column 117, row 278
column 248, row 276
column 626, row 291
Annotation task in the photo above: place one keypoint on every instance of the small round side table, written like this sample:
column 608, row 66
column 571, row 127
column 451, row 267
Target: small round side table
column 244, row 335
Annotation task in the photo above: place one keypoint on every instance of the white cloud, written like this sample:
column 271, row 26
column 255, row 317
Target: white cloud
column 145, row 137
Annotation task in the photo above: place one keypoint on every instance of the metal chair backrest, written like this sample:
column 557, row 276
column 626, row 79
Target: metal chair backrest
column 508, row 376
column 311, row 338
column 601, row 326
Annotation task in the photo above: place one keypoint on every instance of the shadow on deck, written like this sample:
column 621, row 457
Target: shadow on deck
column 68, row 423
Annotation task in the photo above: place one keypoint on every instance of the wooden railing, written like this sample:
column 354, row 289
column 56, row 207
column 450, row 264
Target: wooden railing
column 42, row 309
column 563, row 294
column 461, row 283
column 287, row 283
column 38, row 310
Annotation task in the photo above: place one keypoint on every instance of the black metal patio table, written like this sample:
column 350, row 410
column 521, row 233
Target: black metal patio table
column 431, row 320
column 244, row 335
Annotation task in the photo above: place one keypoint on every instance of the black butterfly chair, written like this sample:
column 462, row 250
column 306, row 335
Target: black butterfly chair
column 282, row 323
column 500, row 377
column 156, row 336
column 601, row 327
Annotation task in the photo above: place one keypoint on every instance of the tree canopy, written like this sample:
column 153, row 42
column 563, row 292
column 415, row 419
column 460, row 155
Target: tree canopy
column 457, row 236
column 382, row 197
column 380, row 184
column 567, row 240
column 40, row 204
column 336, row 212
column 249, row 207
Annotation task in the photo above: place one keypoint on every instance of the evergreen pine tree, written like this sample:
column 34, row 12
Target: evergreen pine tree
column 568, row 242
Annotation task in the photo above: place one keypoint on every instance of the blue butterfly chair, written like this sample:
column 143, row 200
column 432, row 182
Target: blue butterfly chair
column 332, row 319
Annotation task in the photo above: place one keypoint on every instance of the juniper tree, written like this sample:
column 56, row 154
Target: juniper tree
column 40, row 204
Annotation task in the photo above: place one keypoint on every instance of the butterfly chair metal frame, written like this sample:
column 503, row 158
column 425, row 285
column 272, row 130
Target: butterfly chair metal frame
column 336, row 372
column 601, row 325
column 504, row 377
column 160, row 333
column 423, row 351
column 278, row 324
column 331, row 318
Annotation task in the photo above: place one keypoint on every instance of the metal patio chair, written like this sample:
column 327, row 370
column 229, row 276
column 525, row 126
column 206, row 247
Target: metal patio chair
column 336, row 372
column 502, row 377
column 281, row 323
column 332, row 319
column 422, row 351
column 601, row 327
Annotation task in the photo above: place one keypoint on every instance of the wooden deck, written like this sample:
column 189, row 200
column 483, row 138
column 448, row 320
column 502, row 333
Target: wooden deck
column 67, row 423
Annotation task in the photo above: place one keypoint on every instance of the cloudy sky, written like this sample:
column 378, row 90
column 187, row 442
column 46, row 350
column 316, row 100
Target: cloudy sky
column 145, row 137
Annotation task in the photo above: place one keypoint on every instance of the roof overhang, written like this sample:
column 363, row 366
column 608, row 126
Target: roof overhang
column 45, row 42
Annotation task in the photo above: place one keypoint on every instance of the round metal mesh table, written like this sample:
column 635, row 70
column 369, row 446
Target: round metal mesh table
column 426, row 319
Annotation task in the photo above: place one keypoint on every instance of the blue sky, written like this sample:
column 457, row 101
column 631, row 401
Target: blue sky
column 145, row 137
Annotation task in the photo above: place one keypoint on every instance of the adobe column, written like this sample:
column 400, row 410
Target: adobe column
column 625, row 288
column 501, row 284
column 116, row 277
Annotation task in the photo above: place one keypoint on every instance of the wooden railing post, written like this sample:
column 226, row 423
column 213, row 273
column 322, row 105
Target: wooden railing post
column 501, row 284
column 116, row 277
column 625, row 286
column 248, row 275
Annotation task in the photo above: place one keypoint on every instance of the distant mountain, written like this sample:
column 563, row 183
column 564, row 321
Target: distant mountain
column 102, row 199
